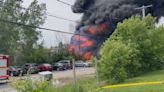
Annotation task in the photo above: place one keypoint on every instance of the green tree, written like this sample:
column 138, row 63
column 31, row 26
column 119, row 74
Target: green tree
column 118, row 62
column 16, row 39
column 134, row 48
column 60, row 53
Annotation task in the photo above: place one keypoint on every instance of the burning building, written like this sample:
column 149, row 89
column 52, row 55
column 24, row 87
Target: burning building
column 100, row 18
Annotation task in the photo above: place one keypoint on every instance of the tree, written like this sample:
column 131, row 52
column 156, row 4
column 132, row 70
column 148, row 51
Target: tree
column 16, row 39
column 60, row 53
column 134, row 48
column 118, row 62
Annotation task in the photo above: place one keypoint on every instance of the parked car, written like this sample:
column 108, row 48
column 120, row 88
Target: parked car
column 59, row 66
column 88, row 64
column 79, row 63
column 15, row 71
column 31, row 68
column 66, row 63
column 45, row 67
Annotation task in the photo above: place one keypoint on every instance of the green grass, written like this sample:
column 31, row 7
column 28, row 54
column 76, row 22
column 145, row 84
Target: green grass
column 150, row 77
column 88, row 85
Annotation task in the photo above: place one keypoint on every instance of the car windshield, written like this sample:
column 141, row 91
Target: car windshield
column 79, row 61
column 58, row 64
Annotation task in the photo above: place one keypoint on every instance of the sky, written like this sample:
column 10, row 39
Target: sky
column 59, row 9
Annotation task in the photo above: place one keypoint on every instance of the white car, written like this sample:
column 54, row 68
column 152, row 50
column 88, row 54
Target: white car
column 81, row 63
column 88, row 64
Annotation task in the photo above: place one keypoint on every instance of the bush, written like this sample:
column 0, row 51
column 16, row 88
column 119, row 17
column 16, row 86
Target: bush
column 118, row 62
column 28, row 85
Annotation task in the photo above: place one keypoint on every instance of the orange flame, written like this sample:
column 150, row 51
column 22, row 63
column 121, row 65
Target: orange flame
column 87, row 43
column 87, row 55
column 92, row 30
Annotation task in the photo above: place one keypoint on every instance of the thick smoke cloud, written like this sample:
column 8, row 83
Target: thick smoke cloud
column 100, row 18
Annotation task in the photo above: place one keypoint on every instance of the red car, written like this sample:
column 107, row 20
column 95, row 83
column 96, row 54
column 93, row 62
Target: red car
column 45, row 67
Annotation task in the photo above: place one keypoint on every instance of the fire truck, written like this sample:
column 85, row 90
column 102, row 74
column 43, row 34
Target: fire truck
column 4, row 68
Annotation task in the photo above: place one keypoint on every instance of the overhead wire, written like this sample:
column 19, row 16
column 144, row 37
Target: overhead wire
column 51, row 15
column 48, row 29
column 42, row 28
column 71, row 5
column 64, row 2
column 31, row 26
column 66, row 19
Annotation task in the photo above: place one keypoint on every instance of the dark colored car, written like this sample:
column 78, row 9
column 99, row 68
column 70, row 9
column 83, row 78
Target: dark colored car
column 31, row 68
column 59, row 67
column 45, row 67
column 66, row 63
column 15, row 71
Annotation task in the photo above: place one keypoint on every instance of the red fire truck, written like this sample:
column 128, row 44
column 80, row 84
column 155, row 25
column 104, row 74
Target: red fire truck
column 4, row 68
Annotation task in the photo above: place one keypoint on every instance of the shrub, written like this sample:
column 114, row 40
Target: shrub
column 28, row 85
column 118, row 62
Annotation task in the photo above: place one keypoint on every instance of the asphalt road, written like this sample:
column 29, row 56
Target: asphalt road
column 57, row 75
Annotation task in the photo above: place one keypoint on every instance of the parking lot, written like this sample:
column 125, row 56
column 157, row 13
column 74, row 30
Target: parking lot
column 67, row 76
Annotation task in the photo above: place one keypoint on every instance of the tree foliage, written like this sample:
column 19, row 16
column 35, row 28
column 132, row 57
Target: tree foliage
column 60, row 53
column 134, row 48
column 17, row 40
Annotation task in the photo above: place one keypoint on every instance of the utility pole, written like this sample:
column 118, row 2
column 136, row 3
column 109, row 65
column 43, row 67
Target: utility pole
column 143, row 8
column 74, row 74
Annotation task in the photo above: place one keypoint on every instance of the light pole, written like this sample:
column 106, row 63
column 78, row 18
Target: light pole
column 143, row 8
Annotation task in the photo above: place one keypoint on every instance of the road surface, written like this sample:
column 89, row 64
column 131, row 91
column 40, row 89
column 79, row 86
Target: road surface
column 57, row 75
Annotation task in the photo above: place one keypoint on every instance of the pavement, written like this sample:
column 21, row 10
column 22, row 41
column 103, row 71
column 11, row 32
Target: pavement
column 66, row 76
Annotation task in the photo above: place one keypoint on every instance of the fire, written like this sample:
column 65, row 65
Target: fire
column 88, row 55
column 87, row 44
column 101, row 28
column 82, row 45
column 92, row 30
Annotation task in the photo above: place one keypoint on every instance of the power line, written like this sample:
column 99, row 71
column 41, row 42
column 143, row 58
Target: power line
column 31, row 26
column 52, row 15
column 20, row 24
column 64, row 2
column 72, row 5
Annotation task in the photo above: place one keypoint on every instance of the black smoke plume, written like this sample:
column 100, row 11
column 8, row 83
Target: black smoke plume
column 100, row 18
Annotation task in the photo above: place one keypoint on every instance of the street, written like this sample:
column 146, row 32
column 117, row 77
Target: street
column 57, row 75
